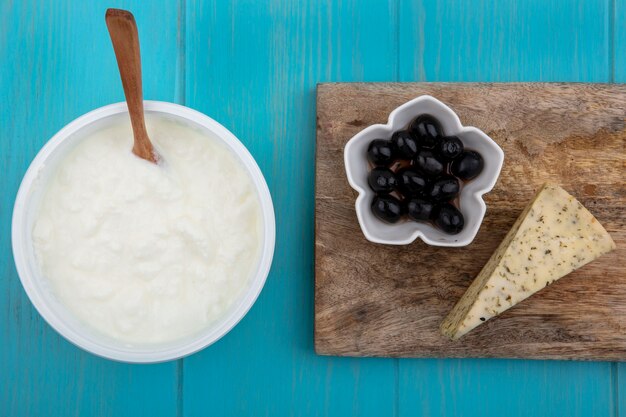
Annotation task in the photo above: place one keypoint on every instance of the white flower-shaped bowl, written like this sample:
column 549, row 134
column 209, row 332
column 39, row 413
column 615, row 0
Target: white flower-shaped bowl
column 472, row 205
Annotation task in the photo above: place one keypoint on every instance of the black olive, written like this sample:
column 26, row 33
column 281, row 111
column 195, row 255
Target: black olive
column 380, row 152
column 445, row 188
column 405, row 144
column 449, row 148
column 411, row 182
column 427, row 130
column 449, row 219
column 468, row 165
column 387, row 208
column 419, row 209
column 382, row 180
column 429, row 163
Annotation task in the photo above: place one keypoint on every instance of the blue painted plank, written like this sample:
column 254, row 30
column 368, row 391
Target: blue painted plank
column 254, row 66
column 619, row 390
column 618, row 75
column 618, row 28
column 466, row 40
column 57, row 63
column 482, row 387
column 530, row 40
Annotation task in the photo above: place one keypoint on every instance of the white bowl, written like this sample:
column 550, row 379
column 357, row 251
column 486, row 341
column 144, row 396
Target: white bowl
column 472, row 205
column 26, row 206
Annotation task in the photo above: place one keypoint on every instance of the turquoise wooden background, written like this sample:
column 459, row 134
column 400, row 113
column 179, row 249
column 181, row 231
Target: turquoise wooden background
column 253, row 66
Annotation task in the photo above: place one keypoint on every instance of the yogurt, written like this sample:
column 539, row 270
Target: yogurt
column 145, row 253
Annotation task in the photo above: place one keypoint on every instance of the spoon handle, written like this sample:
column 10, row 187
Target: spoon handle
column 123, row 32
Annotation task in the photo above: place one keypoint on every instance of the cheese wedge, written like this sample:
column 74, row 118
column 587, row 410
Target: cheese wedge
column 553, row 236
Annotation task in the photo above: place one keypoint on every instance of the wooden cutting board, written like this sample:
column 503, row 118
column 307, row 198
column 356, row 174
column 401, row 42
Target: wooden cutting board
column 377, row 300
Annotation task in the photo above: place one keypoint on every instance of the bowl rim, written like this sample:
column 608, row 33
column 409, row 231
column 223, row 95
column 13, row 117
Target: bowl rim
column 477, row 195
column 187, row 346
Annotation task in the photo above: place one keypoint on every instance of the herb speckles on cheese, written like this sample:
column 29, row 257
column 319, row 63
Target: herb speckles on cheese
column 553, row 236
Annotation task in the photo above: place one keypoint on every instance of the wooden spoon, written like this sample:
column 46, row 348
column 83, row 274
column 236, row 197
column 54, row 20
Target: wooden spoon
column 123, row 31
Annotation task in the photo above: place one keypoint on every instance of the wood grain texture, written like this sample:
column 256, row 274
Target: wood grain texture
column 58, row 63
column 374, row 300
column 617, row 19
